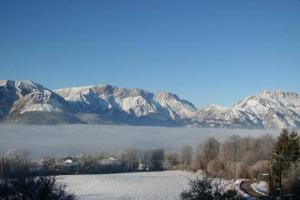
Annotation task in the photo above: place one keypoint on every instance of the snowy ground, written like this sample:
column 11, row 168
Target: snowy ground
column 133, row 186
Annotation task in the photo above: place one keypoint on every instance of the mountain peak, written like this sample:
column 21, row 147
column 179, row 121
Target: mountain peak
column 166, row 95
column 23, row 87
column 277, row 93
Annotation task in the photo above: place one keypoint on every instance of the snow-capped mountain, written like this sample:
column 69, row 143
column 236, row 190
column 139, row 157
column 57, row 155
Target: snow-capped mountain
column 29, row 102
column 219, row 116
column 273, row 109
column 177, row 108
column 134, row 102
column 270, row 109
column 19, row 98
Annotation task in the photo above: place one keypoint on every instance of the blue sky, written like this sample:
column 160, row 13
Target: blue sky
column 213, row 51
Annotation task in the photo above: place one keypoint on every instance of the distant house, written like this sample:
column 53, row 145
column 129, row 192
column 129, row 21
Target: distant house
column 109, row 161
column 68, row 161
column 144, row 167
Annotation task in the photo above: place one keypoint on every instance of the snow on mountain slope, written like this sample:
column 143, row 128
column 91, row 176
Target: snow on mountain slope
column 8, row 95
column 19, row 97
column 176, row 107
column 218, row 116
column 109, row 104
column 269, row 109
column 103, row 98
column 83, row 99
column 276, row 109
column 138, row 102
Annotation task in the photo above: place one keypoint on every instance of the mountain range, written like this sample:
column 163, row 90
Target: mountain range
column 27, row 102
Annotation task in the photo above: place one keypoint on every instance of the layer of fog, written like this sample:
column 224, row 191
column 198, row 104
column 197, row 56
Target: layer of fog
column 65, row 140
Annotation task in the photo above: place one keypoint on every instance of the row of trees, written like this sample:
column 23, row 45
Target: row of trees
column 236, row 157
column 16, row 163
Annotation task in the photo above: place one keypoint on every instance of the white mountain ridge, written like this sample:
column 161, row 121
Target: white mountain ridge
column 28, row 96
column 29, row 102
column 101, row 98
column 269, row 109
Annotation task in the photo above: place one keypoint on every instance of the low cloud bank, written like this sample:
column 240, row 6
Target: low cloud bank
column 75, row 139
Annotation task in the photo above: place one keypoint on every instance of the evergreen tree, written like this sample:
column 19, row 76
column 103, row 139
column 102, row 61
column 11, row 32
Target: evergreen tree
column 286, row 153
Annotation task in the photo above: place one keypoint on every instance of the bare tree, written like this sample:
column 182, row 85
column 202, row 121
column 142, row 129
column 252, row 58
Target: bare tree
column 210, row 149
column 198, row 160
column 130, row 157
column 16, row 162
column 157, row 159
column 171, row 160
column 215, row 168
column 48, row 163
column 266, row 146
column 229, row 154
column 186, row 156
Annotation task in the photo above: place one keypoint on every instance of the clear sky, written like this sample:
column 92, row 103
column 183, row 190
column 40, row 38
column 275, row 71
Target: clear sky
column 212, row 51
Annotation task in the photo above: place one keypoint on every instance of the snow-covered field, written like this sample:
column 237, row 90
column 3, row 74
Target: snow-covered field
column 134, row 186
column 165, row 185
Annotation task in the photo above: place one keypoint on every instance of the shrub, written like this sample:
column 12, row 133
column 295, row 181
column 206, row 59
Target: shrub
column 33, row 188
column 205, row 188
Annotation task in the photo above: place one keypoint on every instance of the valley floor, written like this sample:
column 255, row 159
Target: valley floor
column 134, row 186
column 166, row 185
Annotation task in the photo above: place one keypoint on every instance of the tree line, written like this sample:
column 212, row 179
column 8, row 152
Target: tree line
column 16, row 162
